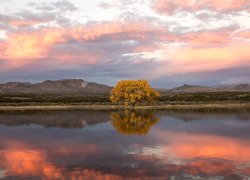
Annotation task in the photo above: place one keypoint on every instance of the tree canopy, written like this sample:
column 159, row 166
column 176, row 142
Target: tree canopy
column 133, row 92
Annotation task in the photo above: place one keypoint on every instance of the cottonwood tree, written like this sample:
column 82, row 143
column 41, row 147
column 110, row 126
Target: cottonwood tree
column 133, row 92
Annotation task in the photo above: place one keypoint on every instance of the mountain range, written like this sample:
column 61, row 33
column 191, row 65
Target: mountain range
column 79, row 86
column 198, row 89
column 64, row 86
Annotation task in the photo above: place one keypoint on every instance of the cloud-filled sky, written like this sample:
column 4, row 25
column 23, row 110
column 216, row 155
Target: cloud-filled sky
column 204, row 42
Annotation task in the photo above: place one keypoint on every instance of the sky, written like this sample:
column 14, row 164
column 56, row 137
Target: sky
column 168, row 42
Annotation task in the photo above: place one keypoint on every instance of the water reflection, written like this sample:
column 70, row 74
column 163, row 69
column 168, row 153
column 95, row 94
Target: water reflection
column 131, row 122
column 180, row 145
column 34, row 163
column 74, row 119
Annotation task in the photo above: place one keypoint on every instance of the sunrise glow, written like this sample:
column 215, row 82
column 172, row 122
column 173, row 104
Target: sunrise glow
column 111, row 40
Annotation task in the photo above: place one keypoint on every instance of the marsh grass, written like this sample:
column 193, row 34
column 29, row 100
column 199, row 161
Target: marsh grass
column 214, row 100
column 239, row 106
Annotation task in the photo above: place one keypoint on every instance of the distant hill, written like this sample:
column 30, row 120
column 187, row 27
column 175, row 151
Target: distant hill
column 198, row 89
column 190, row 89
column 235, row 87
column 65, row 86
column 81, row 87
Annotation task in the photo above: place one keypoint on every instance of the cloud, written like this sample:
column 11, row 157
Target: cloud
column 106, row 5
column 169, row 6
column 41, row 14
column 37, row 43
column 198, row 59
column 194, row 37
column 31, row 44
column 243, row 35
column 27, row 19
column 62, row 5
column 234, row 75
column 208, row 37
column 23, row 23
column 134, row 45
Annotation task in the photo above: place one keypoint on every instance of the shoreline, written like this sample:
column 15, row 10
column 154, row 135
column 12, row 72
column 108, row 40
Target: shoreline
column 122, row 107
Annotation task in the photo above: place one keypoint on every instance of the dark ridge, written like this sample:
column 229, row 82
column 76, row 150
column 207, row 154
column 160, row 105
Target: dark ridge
column 64, row 86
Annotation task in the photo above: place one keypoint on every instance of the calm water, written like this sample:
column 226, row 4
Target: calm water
column 125, row 145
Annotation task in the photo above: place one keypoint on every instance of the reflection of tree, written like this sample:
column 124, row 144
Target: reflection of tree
column 133, row 122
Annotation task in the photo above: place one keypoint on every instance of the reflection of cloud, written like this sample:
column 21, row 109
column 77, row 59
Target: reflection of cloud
column 173, row 148
column 133, row 122
column 27, row 163
column 193, row 146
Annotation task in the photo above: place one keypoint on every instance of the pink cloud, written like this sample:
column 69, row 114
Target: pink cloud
column 169, row 6
column 146, row 48
column 223, row 5
column 22, row 48
column 132, row 30
column 36, row 44
column 188, row 59
column 68, row 46
column 22, row 23
column 25, row 45
column 75, row 58
column 208, row 38
column 31, row 44
column 243, row 35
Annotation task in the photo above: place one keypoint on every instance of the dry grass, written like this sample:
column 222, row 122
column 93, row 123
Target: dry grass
column 118, row 107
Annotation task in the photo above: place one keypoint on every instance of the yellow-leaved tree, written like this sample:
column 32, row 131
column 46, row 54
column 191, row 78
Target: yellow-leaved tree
column 133, row 92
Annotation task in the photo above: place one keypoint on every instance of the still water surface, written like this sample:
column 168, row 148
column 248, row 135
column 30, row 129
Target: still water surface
column 125, row 145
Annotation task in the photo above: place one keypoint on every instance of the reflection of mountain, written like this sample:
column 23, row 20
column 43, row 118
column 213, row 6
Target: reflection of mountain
column 73, row 119
column 235, row 124
column 200, row 115
column 133, row 122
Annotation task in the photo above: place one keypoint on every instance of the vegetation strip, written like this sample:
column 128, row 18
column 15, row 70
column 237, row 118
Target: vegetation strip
column 118, row 107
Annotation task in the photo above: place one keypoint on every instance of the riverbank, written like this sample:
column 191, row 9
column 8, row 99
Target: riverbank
column 121, row 107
